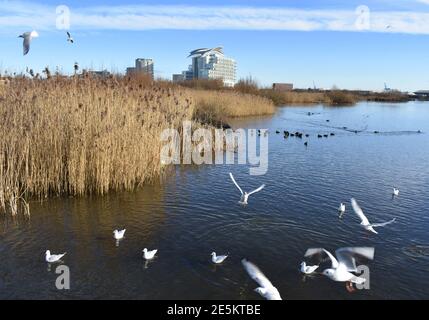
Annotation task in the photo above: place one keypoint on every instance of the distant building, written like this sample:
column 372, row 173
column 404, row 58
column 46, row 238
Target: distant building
column 211, row 64
column 178, row 77
column 422, row 94
column 282, row 86
column 101, row 74
column 143, row 66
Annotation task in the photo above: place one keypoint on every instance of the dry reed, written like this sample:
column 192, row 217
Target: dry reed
column 90, row 135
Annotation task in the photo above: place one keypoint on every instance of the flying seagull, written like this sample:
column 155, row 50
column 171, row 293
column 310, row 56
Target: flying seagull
column 266, row 289
column 245, row 195
column 51, row 258
column 345, row 263
column 365, row 223
column 149, row 255
column 308, row 269
column 218, row 259
column 28, row 36
column 118, row 235
column 69, row 37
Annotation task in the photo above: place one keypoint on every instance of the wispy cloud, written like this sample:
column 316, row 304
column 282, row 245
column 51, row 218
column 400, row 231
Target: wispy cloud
column 15, row 14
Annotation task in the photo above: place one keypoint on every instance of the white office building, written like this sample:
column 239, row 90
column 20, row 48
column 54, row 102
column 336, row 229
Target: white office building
column 143, row 65
column 212, row 64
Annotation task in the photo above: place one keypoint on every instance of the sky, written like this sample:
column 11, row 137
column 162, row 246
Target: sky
column 347, row 44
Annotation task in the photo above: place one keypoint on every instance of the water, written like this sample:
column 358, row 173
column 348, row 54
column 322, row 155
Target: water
column 195, row 212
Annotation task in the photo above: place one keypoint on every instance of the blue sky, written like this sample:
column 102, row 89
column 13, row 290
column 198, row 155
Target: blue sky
column 329, row 42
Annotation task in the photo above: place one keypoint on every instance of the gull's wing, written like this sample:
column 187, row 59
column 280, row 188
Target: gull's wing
column 359, row 212
column 257, row 190
column 233, row 180
column 312, row 251
column 68, row 35
column 26, row 43
column 256, row 274
column 383, row 224
column 346, row 256
column 334, row 261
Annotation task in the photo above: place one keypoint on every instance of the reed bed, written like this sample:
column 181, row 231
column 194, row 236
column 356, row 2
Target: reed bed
column 85, row 135
column 221, row 105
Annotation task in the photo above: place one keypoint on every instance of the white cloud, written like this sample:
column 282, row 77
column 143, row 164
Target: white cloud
column 15, row 14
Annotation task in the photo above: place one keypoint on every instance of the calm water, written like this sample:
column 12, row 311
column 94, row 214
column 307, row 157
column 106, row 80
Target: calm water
column 195, row 212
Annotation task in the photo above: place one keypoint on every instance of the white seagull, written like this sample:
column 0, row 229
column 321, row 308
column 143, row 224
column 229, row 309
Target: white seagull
column 149, row 255
column 342, row 208
column 308, row 269
column 28, row 36
column 395, row 191
column 341, row 269
column 69, row 38
column 51, row 258
column 118, row 235
column 266, row 289
column 365, row 223
column 245, row 195
column 218, row 259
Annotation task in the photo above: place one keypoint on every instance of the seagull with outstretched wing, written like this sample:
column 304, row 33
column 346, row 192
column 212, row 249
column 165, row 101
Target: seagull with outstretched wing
column 266, row 288
column 245, row 195
column 343, row 266
column 365, row 222
column 27, row 36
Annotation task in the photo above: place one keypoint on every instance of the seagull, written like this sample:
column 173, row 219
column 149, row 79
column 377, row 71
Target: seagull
column 69, row 38
column 395, row 191
column 342, row 208
column 118, row 235
column 149, row 255
column 51, row 258
column 365, row 223
column 341, row 269
column 218, row 259
column 245, row 195
column 28, row 36
column 308, row 269
column 266, row 289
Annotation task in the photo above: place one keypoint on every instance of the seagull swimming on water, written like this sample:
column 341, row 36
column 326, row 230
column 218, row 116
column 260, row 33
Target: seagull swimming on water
column 365, row 222
column 395, row 191
column 308, row 269
column 69, row 38
column 28, row 36
column 266, row 289
column 118, row 235
column 345, row 263
column 342, row 208
column 218, row 259
column 52, row 258
column 245, row 195
column 149, row 255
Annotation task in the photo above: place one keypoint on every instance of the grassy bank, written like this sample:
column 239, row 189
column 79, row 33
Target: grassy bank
column 84, row 135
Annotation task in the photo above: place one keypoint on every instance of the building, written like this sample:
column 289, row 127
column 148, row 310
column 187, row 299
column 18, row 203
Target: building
column 178, row 77
column 422, row 94
column 211, row 64
column 144, row 66
column 101, row 74
column 282, row 86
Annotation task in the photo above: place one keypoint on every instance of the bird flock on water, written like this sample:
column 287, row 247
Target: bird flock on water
column 343, row 263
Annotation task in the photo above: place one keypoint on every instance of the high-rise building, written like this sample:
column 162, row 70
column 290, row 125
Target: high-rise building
column 143, row 65
column 211, row 64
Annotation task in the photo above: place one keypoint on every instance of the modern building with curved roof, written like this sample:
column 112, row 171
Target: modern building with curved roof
column 211, row 63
